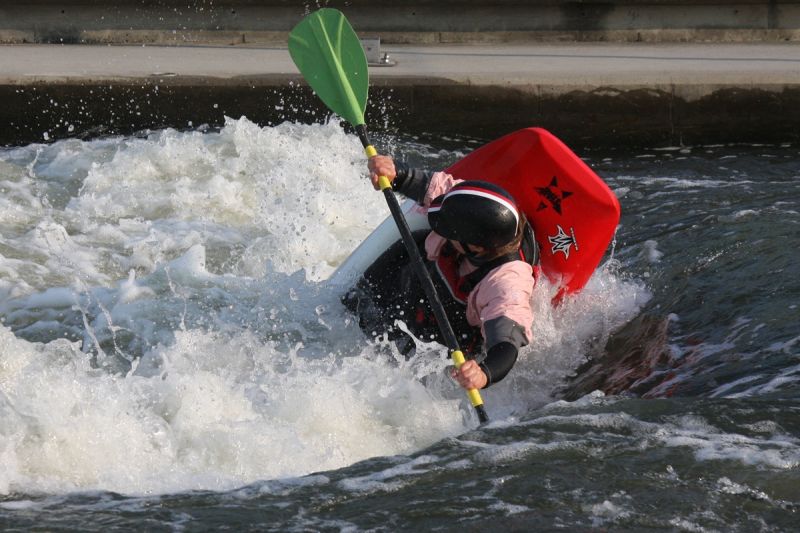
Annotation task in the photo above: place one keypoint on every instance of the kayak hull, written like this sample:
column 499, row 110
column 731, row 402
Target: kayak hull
column 572, row 211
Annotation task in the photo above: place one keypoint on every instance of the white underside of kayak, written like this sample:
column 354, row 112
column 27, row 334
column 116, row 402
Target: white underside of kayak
column 375, row 244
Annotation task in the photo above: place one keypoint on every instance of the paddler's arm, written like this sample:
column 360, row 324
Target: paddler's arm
column 410, row 182
column 499, row 360
column 504, row 337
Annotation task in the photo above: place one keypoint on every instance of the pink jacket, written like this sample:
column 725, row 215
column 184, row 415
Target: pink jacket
column 505, row 291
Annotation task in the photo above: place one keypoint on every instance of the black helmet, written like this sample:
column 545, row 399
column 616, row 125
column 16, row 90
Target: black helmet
column 477, row 213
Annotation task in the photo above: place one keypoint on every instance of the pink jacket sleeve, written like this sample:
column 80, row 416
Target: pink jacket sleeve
column 441, row 182
column 505, row 291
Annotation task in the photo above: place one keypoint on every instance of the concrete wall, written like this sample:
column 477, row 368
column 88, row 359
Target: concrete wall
column 414, row 21
column 41, row 109
column 581, row 117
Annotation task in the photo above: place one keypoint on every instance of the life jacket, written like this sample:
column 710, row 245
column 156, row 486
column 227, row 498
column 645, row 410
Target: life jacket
column 390, row 291
column 459, row 287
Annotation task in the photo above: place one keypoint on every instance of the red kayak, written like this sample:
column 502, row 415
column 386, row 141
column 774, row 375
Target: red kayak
column 572, row 211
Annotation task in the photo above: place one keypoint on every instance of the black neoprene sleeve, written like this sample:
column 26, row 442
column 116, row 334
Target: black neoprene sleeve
column 411, row 182
column 500, row 358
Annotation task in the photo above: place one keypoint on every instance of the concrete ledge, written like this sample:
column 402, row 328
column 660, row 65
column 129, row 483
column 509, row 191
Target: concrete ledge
column 149, row 37
column 279, row 38
column 412, row 21
column 622, row 36
column 588, row 94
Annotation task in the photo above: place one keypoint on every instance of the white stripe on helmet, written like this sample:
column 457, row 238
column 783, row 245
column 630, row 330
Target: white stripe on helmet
column 489, row 195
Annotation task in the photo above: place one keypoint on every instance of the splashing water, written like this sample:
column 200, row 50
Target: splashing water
column 167, row 326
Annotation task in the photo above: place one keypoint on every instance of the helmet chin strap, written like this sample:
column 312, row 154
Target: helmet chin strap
column 474, row 257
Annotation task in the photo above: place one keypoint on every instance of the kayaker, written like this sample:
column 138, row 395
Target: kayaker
column 482, row 257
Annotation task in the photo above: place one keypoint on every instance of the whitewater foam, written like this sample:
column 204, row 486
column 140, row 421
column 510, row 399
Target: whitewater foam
column 167, row 326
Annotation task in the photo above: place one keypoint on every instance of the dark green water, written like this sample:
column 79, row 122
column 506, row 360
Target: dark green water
column 685, row 417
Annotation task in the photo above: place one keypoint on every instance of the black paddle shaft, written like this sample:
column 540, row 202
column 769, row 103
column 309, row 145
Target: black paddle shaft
column 418, row 264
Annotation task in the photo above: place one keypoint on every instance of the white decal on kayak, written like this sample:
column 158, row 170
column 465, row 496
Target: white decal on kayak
column 561, row 241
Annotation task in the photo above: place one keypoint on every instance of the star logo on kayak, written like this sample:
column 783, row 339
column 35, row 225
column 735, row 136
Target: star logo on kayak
column 552, row 196
column 562, row 242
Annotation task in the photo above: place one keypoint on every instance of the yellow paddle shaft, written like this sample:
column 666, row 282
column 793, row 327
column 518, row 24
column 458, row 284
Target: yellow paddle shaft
column 474, row 395
column 383, row 181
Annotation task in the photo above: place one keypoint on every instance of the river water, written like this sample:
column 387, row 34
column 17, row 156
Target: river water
column 172, row 359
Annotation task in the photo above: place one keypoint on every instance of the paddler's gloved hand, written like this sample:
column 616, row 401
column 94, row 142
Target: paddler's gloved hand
column 499, row 360
column 410, row 182
column 381, row 165
column 470, row 375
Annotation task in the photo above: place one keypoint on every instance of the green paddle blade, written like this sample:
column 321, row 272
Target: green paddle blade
column 329, row 55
